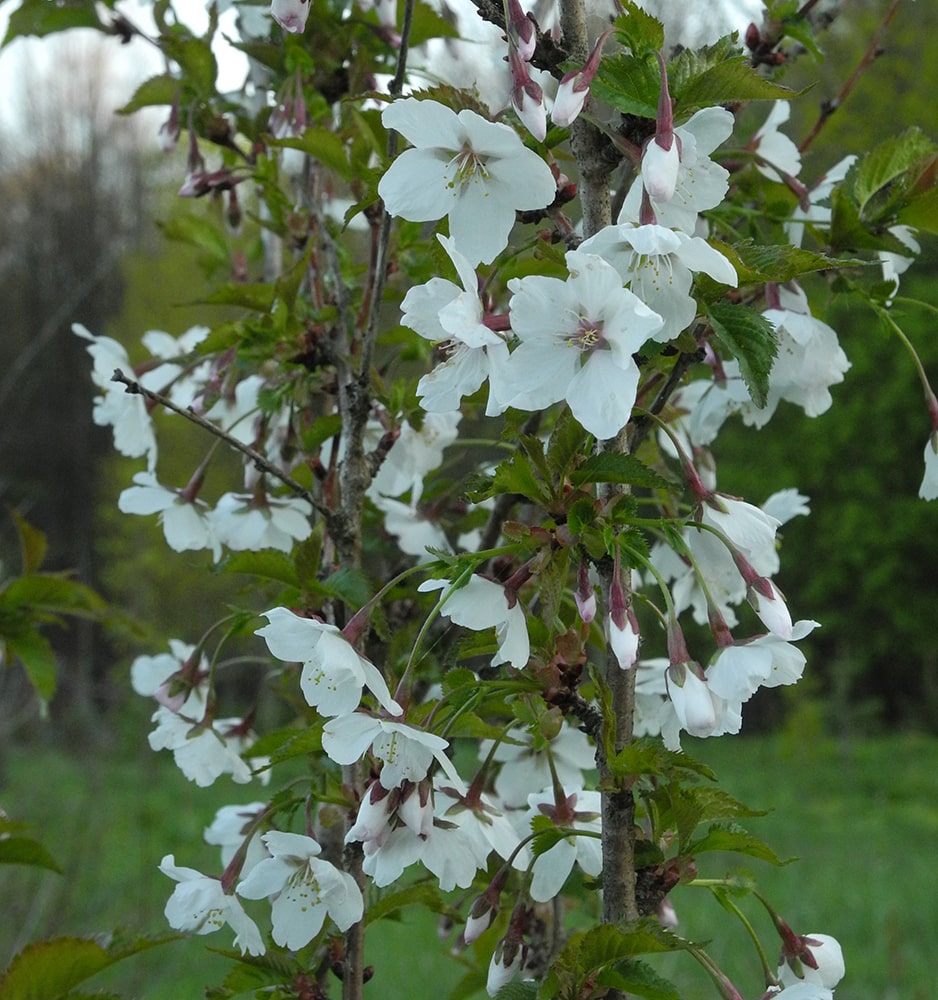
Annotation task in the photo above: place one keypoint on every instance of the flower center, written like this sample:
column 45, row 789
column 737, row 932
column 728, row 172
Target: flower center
column 587, row 336
column 469, row 167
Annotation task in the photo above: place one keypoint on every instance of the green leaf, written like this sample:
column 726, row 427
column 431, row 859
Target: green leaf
column 49, row 970
column 731, row 838
column 638, row 30
column 524, row 990
column 730, row 80
column 53, row 593
column 568, row 442
column 158, row 90
column 849, row 232
column 427, row 24
column 267, row 565
column 756, row 263
column 888, row 163
column 33, row 543
column 516, row 475
column 200, row 232
column 349, row 585
column 26, row 851
column 629, row 83
column 426, row 895
column 748, row 336
column 36, row 655
column 323, row 145
column 306, row 742
column 647, row 757
column 42, row 17
column 639, row 979
column 921, row 212
column 615, row 468
column 256, row 297
column 196, row 60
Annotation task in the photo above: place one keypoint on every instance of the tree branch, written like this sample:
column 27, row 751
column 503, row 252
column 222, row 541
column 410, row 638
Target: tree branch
column 133, row 387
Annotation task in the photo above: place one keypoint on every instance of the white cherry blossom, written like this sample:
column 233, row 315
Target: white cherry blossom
column 476, row 172
column 525, row 767
column 775, row 151
column 482, row 604
column 414, row 454
column 929, row 488
column 407, row 752
column 187, row 524
column 443, row 312
column 228, row 830
column 552, row 868
column 242, row 522
column 577, row 341
column 125, row 412
column 199, row 904
column 304, row 888
column 203, row 750
column 333, row 672
column 700, row 184
column 658, row 265
column 830, row 965
column 291, row 15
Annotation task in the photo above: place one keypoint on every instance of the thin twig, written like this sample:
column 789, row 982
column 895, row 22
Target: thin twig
column 261, row 461
column 872, row 53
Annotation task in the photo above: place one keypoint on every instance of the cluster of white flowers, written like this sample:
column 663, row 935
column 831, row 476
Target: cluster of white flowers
column 578, row 338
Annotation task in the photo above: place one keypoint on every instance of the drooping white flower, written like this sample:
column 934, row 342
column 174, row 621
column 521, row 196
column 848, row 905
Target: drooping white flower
column 700, row 183
column 483, row 604
column 414, row 454
column 333, row 672
column 929, row 488
column 304, row 889
column 235, row 411
column 414, row 532
column 747, row 527
column 199, row 904
column 769, row 604
column 486, row 826
column 181, row 384
column 203, row 750
column 582, row 811
column 148, row 674
column 658, row 265
column 577, row 341
column 525, row 767
column 896, row 264
column 806, row 991
column 697, row 707
column 817, row 211
column 830, row 969
column 441, row 311
column 228, row 830
column 187, row 524
column 775, row 151
column 502, row 969
column 125, row 412
column 291, row 15
column 476, row 172
column 244, row 523
column 407, row 752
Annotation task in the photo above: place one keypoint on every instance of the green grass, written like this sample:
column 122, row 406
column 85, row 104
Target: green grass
column 861, row 816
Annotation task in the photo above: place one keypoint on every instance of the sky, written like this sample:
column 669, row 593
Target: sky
column 131, row 63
